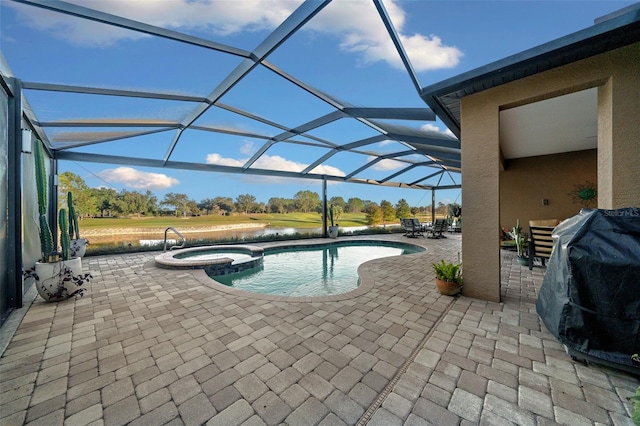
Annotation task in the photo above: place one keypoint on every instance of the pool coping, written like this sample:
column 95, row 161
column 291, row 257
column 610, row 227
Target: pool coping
column 168, row 259
column 367, row 282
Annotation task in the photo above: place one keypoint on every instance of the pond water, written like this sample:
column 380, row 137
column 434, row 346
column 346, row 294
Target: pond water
column 241, row 234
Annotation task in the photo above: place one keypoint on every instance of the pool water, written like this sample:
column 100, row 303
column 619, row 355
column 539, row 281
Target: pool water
column 212, row 255
column 314, row 271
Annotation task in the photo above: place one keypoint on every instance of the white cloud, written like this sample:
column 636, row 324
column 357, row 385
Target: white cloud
column 248, row 148
column 355, row 22
column 218, row 17
column 136, row 179
column 385, row 165
column 273, row 162
column 361, row 30
column 77, row 31
column 221, row 161
column 434, row 128
column 276, row 162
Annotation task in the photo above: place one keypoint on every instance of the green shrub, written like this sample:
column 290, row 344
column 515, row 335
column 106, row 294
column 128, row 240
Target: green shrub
column 445, row 271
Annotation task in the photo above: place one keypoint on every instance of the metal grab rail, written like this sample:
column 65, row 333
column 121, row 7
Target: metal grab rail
column 179, row 234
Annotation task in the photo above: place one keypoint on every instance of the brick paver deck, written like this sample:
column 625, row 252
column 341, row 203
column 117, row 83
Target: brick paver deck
column 150, row 346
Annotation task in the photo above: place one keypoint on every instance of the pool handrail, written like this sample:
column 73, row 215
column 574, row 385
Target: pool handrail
column 174, row 246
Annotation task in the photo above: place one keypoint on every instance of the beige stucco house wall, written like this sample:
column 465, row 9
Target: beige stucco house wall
column 615, row 75
column 526, row 182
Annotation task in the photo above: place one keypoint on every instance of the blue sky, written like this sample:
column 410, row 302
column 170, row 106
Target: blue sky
column 343, row 51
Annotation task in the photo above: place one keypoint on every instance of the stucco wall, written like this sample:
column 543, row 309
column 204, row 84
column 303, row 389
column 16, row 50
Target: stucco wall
column 527, row 181
column 481, row 197
column 615, row 74
column 619, row 131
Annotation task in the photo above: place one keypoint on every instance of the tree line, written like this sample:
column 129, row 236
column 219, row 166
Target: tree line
column 107, row 202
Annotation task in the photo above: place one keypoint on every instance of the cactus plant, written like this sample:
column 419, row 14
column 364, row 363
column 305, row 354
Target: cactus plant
column 74, row 230
column 58, row 276
column 46, row 237
column 65, row 241
column 331, row 214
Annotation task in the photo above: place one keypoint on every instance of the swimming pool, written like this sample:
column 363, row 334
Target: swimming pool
column 318, row 270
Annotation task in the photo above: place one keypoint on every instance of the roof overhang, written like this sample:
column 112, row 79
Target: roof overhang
column 611, row 32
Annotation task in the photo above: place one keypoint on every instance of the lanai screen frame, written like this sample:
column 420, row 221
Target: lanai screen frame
column 439, row 153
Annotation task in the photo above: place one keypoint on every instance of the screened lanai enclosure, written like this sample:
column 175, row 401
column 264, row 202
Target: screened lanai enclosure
column 183, row 100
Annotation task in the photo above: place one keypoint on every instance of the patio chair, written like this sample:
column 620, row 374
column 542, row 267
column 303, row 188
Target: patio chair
column 405, row 227
column 540, row 241
column 438, row 229
column 417, row 226
column 455, row 228
column 412, row 228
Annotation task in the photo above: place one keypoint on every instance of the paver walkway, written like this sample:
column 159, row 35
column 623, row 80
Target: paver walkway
column 150, row 346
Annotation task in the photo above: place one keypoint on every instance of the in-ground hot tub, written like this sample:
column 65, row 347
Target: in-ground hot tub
column 215, row 260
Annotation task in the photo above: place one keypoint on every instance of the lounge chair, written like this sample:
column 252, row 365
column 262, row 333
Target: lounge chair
column 412, row 228
column 438, row 229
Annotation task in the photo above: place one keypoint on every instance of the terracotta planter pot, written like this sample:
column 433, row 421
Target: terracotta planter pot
column 51, row 283
column 448, row 288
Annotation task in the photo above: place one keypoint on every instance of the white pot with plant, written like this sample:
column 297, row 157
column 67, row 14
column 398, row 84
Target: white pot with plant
column 78, row 246
column 333, row 229
column 58, row 275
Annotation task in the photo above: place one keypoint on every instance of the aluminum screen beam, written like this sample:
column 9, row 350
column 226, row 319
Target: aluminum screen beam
column 366, row 166
column 84, row 140
column 398, row 173
column 420, row 114
column 146, row 162
column 28, row 85
column 445, row 152
column 111, row 123
column 129, row 24
column 396, row 42
column 427, row 177
column 295, row 21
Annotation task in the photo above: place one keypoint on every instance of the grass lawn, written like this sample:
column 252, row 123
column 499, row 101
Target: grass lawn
column 294, row 220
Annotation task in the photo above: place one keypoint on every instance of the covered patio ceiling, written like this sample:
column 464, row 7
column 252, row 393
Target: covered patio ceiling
column 428, row 159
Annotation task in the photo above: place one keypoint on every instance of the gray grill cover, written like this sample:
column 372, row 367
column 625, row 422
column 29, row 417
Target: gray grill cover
column 590, row 295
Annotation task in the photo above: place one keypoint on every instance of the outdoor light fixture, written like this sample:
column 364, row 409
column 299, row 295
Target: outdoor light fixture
column 545, row 201
column 26, row 141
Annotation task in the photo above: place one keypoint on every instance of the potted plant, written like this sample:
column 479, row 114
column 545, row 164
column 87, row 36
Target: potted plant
column 57, row 275
column 448, row 277
column 520, row 241
column 78, row 246
column 333, row 229
column 455, row 211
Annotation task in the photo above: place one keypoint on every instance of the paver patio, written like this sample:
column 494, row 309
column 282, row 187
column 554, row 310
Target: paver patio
column 151, row 346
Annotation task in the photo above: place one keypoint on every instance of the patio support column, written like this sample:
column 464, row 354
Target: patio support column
column 433, row 205
column 324, row 207
column 618, row 136
column 13, row 292
column 481, row 195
